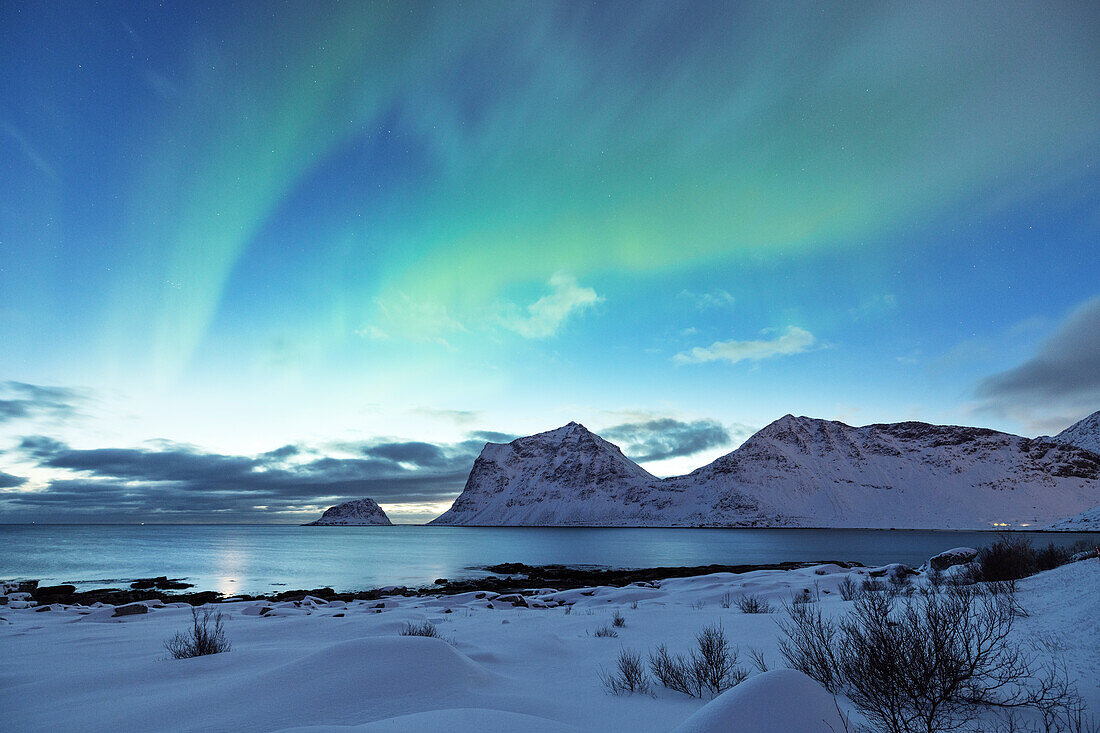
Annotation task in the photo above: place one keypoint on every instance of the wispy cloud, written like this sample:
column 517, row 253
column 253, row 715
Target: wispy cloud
column 458, row 417
column 21, row 400
column 660, row 438
column 793, row 340
column 711, row 299
column 1059, row 384
column 546, row 315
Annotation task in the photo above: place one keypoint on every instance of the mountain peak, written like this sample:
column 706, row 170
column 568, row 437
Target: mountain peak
column 1084, row 433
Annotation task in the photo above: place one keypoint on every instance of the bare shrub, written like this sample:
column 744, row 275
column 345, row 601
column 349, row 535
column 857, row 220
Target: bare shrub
column 710, row 669
column 629, row 676
column 634, row 605
column 758, row 660
column 673, row 671
column 803, row 596
column 931, row 664
column 206, row 636
column 618, row 620
column 753, row 604
column 1009, row 558
column 605, row 632
column 423, row 629
column 848, row 589
column 871, row 585
column 727, row 599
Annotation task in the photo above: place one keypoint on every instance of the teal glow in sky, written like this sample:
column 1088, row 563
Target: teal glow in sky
column 240, row 226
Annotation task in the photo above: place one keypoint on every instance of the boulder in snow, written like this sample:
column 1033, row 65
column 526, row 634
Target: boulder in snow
column 954, row 556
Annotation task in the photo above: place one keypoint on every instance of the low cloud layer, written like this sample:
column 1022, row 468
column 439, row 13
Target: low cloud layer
column 1059, row 384
column 661, row 438
column 8, row 481
column 171, row 482
column 793, row 340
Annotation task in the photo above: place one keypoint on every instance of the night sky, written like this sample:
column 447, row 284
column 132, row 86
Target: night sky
column 256, row 257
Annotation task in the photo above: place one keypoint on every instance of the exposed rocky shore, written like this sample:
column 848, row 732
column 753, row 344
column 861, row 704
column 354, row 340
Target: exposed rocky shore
column 507, row 578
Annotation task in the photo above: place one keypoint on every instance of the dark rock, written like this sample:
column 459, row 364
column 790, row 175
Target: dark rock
column 54, row 593
column 131, row 609
column 956, row 556
column 27, row 586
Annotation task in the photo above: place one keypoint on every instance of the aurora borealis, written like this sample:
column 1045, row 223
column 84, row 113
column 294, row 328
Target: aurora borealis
column 237, row 226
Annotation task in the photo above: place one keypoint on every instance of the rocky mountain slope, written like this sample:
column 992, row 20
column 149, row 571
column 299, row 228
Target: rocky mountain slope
column 1083, row 434
column 796, row 472
column 357, row 512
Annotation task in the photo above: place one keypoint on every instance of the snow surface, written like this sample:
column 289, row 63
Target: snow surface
column 358, row 512
column 499, row 667
column 796, row 472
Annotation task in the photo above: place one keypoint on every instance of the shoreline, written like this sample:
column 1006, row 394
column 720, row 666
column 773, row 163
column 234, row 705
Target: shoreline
column 507, row 578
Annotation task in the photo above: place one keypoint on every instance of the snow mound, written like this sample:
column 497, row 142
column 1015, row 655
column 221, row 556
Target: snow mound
column 380, row 668
column 473, row 719
column 778, row 701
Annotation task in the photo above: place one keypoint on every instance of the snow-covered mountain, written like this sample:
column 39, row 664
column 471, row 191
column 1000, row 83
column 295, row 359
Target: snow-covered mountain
column 796, row 472
column 357, row 512
column 1083, row 434
column 567, row 476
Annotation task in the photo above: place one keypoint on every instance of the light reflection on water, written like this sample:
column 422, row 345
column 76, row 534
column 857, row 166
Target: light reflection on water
column 259, row 559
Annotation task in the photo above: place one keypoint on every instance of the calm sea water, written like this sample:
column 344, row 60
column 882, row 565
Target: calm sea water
column 260, row 559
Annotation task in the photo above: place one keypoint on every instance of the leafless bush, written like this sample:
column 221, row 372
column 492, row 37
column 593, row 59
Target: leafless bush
column 871, row 585
column 710, row 669
column 753, row 604
column 606, row 632
column 618, row 620
column 207, row 636
column 758, row 660
column 423, row 629
column 629, row 676
column 727, row 599
column 931, row 664
column 804, row 596
column 848, row 589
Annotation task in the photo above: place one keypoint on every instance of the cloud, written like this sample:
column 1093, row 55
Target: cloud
column 1059, row 384
column 661, row 438
column 491, row 436
column 794, row 340
column 8, row 481
column 545, row 316
column 19, row 400
column 166, row 481
column 459, row 417
column 709, row 300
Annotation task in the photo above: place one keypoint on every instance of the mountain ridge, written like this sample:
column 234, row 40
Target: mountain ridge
column 795, row 472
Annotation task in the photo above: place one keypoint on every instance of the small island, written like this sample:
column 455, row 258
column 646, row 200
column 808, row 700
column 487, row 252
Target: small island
column 359, row 512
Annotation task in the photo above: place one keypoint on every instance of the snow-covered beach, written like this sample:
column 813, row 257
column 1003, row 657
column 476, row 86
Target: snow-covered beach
column 499, row 665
